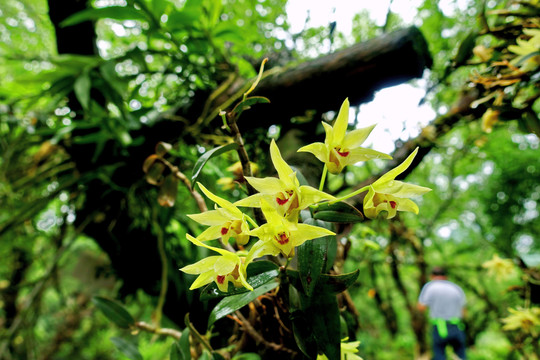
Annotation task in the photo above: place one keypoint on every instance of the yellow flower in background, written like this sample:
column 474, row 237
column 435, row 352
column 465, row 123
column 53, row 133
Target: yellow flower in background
column 483, row 53
column 528, row 58
column 390, row 195
column 348, row 351
column 229, row 183
column 281, row 235
column 524, row 320
column 490, row 118
column 341, row 148
column 284, row 193
column 224, row 268
column 225, row 222
column 500, row 268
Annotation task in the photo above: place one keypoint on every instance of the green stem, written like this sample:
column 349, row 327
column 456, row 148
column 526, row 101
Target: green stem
column 361, row 190
column 158, row 312
column 323, row 177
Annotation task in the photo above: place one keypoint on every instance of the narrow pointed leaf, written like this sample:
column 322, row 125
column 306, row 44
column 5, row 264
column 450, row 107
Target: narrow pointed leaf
column 110, row 12
column 232, row 303
column 340, row 212
column 208, row 155
column 114, row 312
column 312, row 257
column 326, row 325
column 247, row 103
column 128, row 348
column 337, row 283
column 175, row 352
column 82, row 87
column 184, row 344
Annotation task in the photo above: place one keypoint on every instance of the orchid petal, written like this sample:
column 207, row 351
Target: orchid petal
column 402, row 190
column 307, row 232
column 318, row 149
column 213, row 232
column 224, row 266
column 407, row 205
column 200, row 266
column 283, row 169
column 244, row 283
column 220, row 201
column 363, row 154
column 250, row 201
column 329, row 132
column 224, row 286
column 355, row 138
column 210, row 218
column 221, row 251
column 270, row 213
column 203, row 279
column 341, row 123
column 310, row 196
column 261, row 248
column 268, row 185
column 391, row 175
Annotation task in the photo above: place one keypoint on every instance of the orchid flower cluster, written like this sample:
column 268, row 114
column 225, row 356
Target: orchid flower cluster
column 282, row 199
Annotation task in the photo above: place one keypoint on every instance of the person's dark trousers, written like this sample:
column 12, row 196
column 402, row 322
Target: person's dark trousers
column 455, row 338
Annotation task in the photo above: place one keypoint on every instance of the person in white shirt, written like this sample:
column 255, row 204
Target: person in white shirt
column 446, row 303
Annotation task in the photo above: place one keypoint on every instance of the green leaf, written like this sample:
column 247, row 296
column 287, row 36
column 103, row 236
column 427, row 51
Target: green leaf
column 465, row 49
column 312, row 258
column 82, row 88
column 175, row 353
column 128, row 348
column 232, row 303
column 247, row 356
column 337, row 283
column 217, row 356
column 114, row 312
column 208, row 155
column 184, row 344
column 316, row 327
column 326, row 326
column 111, row 12
column 340, row 212
column 248, row 103
column 258, row 274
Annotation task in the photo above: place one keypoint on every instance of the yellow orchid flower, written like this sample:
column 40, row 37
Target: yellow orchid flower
column 229, row 183
column 281, row 235
column 527, row 49
column 348, row 351
column 224, row 268
column 225, row 222
column 392, row 195
column 500, row 268
column 525, row 320
column 341, row 148
column 284, row 193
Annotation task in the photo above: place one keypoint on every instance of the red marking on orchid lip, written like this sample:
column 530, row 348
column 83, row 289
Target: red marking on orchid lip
column 342, row 153
column 224, row 230
column 393, row 204
column 281, row 201
column 220, row 279
column 282, row 239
